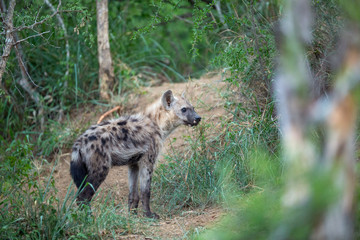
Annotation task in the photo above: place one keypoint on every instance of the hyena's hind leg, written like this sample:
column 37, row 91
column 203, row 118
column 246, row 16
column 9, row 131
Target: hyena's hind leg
column 98, row 169
column 146, row 171
column 133, row 187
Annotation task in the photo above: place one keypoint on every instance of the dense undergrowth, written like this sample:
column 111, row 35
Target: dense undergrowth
column 215, row 165
column 151, row 45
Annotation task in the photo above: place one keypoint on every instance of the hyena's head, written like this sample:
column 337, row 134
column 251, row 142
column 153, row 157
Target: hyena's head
column 181, row 110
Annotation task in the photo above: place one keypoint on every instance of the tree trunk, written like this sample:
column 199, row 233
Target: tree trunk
column 8, row 27
column 332, row 159
column 106, row 71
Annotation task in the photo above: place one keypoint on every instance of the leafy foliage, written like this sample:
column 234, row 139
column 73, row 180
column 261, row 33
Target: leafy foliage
column 154, row 42
column 163, row 54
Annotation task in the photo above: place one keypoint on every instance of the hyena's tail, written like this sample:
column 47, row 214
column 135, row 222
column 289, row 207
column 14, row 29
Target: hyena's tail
column 78, row 169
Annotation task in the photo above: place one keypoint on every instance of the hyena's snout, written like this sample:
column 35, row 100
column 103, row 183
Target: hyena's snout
column 195, row 119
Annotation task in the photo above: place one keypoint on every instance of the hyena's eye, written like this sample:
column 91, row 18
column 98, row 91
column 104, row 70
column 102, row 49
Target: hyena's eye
column 183, row 109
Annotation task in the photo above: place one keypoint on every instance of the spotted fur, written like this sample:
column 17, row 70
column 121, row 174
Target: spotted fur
column 135, row 141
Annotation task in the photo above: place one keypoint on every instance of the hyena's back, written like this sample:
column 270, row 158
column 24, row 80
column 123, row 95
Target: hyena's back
column 122, row 141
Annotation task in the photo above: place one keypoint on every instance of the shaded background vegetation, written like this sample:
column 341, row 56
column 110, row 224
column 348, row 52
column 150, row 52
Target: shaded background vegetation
column 166, row 41
column 151, row 42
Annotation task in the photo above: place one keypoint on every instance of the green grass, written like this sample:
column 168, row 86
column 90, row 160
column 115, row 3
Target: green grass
column 30, row 208
column 214, row 165
column 238, row 167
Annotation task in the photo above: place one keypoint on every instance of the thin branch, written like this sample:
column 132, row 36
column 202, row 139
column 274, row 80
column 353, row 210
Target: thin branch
column 29, row 27
column 32, row 36
column 221, row 16
column 108, row 113
column 69, row 11
column 38, row 13
column 39, row 22
column 19, row 48
column 183, row 18
column 67, row 47
column 24, row 81
column 62, row 25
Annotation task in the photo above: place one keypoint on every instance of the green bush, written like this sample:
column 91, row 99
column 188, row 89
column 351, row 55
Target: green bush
column 26, row 211
column 30, row 208
column 216, row 165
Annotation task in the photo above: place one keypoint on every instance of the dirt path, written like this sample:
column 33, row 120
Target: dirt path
column 204, row 95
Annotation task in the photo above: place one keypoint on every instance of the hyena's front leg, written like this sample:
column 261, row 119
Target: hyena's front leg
column 145, row 187
column 133, row 187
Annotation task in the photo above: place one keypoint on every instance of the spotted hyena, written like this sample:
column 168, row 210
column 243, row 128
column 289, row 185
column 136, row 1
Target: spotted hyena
column 135, row 141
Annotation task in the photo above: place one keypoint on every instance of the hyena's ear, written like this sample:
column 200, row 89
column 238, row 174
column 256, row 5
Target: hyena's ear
column 167, row 99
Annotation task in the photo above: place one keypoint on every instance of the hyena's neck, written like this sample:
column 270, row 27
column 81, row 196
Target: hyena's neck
column 166, row 120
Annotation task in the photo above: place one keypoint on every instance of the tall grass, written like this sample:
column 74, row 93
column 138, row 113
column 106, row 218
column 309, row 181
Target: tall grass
column 212, row 166
column 270, row 211
column 30, row 208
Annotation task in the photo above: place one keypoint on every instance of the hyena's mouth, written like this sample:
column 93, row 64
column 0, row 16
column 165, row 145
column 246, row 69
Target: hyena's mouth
column 194, row 123
column 191, row 124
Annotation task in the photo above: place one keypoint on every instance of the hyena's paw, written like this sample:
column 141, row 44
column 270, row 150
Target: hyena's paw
column 152, row 215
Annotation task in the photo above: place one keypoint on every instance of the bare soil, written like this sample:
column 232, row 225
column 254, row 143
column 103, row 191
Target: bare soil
column 204, row 94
